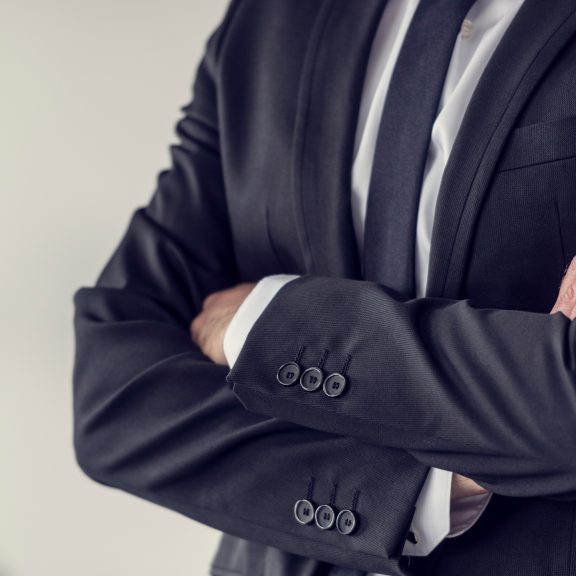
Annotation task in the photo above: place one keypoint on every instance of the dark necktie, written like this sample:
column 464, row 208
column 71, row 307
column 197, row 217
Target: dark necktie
column 403, row 139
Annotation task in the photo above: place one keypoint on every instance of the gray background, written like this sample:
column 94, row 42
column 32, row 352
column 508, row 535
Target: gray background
column 90, row 92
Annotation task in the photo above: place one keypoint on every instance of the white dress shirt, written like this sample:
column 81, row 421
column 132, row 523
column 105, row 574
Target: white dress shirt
column 435, row 517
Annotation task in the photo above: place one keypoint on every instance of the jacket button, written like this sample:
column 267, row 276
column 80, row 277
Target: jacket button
column 324, row 517
column 311, row 379
column 304, row 511
column 346, row 522
column 334, row 385
column 288, row 374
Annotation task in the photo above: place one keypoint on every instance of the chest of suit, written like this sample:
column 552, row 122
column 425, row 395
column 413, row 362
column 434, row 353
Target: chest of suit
column 289, row 137
column 505, row 224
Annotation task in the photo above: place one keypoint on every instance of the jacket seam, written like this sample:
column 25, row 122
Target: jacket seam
column 534, row 164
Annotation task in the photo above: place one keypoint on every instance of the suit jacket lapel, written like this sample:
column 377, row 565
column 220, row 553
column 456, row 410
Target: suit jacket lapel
column 529, row 47
column 329, row 102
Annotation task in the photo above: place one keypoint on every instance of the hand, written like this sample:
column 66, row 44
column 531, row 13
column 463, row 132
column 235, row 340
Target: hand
column 209, row 326
column 462, row 487
column 566, row 301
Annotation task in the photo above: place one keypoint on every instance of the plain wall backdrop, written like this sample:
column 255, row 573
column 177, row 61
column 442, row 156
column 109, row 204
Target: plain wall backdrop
column 90, row 91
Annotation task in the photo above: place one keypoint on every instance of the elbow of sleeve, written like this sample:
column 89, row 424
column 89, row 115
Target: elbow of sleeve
column 88, row 454
column 111, row 441
column 90, row 429
column 84, row 458
column 109, row 453
column 101, row 427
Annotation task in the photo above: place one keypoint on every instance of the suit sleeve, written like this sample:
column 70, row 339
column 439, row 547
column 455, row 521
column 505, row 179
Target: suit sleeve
column 156, row 418
column 486, row 393
column 433, row 519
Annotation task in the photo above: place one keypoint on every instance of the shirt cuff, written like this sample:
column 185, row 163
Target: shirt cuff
column 431, row 522
column 249, row 311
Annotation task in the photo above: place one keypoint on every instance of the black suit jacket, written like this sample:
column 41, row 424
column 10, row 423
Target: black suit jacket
column 477, row 377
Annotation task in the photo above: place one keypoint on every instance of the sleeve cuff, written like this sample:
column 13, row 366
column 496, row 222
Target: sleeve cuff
column 438, row 517
column 431, row 522
column 249, row 311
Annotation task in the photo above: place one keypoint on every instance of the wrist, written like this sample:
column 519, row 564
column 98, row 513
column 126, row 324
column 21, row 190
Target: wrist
column 248, row 313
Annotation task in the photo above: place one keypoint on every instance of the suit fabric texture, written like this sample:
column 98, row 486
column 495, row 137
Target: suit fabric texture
column 476, row 377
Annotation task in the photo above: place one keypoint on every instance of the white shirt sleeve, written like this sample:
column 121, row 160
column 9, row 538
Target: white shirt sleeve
column 249, row 311
column 438, row 517
column 434, row 518
column 431, row 522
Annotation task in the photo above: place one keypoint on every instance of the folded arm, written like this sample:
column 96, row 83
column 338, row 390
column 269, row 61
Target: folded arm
column 234, row 313
column 155, row 417
column 487, row 393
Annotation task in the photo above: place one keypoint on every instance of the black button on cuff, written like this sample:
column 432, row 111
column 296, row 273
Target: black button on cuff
column 325, row 517
column 334, row 385
column 304, row 511
column 311, row 379
column 346, row 522
column 288, row 374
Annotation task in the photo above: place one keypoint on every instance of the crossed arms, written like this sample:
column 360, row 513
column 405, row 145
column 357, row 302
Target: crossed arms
column 154, row 416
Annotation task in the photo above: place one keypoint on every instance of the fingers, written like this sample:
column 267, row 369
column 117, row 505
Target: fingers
column 209, row 326
column 566, row 301
column 463, row 487
column 212, row 299
column 197, row 330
